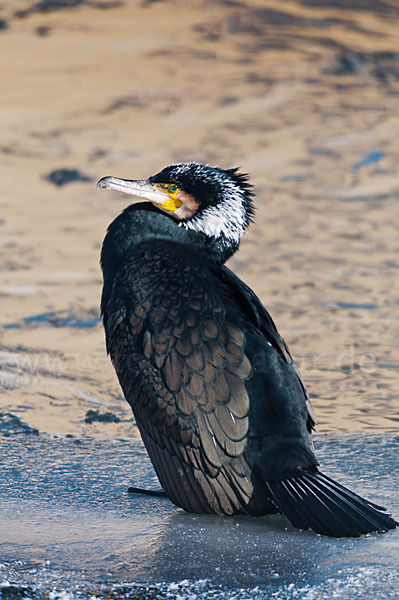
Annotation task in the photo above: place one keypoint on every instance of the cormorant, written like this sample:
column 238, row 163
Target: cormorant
column 221, row 409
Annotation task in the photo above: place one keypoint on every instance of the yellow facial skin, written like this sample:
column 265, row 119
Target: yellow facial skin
column 172, row 203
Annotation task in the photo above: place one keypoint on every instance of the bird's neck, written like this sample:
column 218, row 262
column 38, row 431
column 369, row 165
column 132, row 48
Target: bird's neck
column 141, row 223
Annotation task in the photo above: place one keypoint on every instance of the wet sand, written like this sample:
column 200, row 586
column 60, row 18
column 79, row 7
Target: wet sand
column 304, row 100
column 302, row 95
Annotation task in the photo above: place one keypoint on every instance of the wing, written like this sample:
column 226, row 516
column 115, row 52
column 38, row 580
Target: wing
column 182, row 367
column 258, row 315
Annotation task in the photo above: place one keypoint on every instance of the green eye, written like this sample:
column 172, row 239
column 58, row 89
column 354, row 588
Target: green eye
column 173, row 188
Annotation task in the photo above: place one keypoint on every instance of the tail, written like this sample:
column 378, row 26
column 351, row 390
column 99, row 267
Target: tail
column 314, row 501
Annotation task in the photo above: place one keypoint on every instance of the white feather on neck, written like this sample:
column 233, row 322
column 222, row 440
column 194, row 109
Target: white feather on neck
column 225, row 219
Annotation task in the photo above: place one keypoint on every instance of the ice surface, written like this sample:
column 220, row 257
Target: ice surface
column 69, row 529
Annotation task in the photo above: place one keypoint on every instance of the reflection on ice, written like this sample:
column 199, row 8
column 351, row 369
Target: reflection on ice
column 240, row 551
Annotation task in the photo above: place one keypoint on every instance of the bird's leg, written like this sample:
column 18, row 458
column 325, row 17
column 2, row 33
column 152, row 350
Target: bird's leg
column 158, row 493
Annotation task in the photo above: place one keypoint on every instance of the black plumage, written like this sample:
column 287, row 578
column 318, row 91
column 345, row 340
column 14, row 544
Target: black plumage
column 220, row 407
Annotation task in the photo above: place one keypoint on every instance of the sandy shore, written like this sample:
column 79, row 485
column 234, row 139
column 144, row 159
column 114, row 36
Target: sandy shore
column 305, row 100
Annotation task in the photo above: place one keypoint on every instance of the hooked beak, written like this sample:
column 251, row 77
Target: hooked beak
column 139, row 187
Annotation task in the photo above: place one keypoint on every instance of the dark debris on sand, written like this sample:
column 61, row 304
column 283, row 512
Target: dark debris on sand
column 12, row 425
column 381, row 7
column 47, row 6
column 42, row 31
column 81, row 320
column 384, row 65
column 60, row 177
column 98, row 417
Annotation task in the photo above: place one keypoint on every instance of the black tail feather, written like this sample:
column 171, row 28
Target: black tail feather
column 314, row 501
column 356, row 512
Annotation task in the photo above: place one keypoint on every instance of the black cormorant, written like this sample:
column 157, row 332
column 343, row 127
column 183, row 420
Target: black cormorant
column 219, row 404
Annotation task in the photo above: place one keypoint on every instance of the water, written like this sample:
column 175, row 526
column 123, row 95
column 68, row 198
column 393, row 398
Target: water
column 68, row 526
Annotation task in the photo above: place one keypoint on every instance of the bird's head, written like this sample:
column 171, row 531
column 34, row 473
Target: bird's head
column 212, row 202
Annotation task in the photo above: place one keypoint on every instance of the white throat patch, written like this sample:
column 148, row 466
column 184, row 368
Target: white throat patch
column 226, row 219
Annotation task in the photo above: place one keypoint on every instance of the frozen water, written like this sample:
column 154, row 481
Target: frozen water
column 67, row 520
